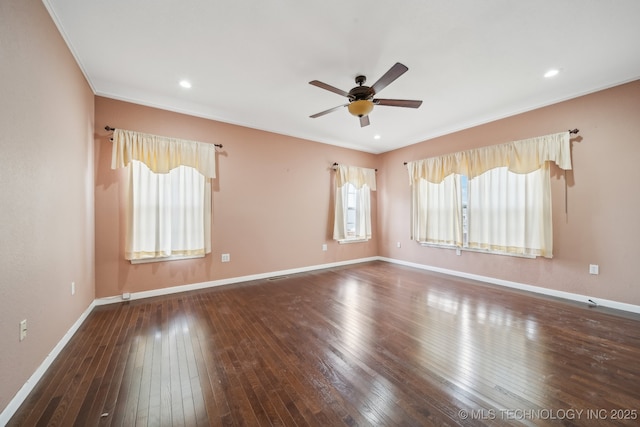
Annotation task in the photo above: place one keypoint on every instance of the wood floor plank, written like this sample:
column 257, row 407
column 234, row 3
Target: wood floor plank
column 91, row 409
column 207, row 365
column 366, row 344
column 124, row 413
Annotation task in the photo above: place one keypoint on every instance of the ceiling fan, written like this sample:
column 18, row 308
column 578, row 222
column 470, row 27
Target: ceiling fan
column 361, row 98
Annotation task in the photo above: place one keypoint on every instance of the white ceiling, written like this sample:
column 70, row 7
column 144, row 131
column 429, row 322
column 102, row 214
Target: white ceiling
column 250, row 61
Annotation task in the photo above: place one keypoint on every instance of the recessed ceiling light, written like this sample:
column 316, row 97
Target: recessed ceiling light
column 376, row 136
column 551, row 73
column 185, row 84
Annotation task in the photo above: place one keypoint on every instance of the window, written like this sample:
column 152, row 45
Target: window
column 167, row 213
column 498, row 211
column 352, row 220
column 464, row 199
column 495, row 199
column 352, row 209
column 511, row 213
column 357, row 216
column 169, row 200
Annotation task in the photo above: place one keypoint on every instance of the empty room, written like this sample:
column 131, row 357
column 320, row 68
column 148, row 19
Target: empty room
column 319, row 213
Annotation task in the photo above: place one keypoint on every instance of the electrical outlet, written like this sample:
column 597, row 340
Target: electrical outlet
column 23, row 329
column 226, row 257
column 398, row 245
column 594, row 269
column 324, row 247
column 126, row 295
column 73, row 288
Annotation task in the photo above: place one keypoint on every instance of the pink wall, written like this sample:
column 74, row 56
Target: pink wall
column 271, row 202
column 601, row 226
column 46, row 186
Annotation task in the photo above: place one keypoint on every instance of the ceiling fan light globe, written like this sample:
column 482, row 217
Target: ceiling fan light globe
column 361, row 107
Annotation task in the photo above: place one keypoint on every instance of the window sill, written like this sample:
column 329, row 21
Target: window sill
column 347, row 241
column 482, row 251
column 162, row 259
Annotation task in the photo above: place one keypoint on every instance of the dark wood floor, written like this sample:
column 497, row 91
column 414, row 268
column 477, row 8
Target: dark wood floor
column 369, row 344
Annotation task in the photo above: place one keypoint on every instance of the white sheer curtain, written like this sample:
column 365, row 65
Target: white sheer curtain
column 436, row 211
column 353, row 186
column 509, row 195
column 167, row 215
column 169, row 202
column 511, row 212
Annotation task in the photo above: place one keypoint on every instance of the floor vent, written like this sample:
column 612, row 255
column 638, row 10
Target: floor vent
column 271, row 279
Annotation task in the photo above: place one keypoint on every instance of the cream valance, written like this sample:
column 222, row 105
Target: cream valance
column 161, row 154
column 356, row 176
column 521, row 157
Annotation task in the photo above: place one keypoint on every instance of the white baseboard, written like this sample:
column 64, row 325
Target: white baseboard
column 229, row 281
column 486, row 279
column 22, row 394
column 616, row 305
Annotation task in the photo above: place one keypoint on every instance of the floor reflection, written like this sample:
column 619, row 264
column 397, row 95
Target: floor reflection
column 355, row 319
column 481, row 343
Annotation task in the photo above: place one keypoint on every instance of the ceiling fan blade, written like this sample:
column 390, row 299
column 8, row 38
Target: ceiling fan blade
column 330, row 110
column 329, row 88
column 364, row 121
column 398, row 103
column 394, row 72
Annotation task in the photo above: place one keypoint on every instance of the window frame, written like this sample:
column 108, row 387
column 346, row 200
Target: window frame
column 355, row 205
column 352, row 203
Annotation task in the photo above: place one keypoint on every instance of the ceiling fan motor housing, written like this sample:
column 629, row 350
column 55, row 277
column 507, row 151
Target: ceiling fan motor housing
column 360, row 92
column 360, row 98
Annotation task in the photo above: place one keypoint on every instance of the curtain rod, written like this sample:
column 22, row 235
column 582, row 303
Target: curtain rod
column 333, row 166
column 574, row 131
column 110, row 129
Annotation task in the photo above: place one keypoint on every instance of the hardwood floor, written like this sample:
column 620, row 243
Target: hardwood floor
column 368, row 344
